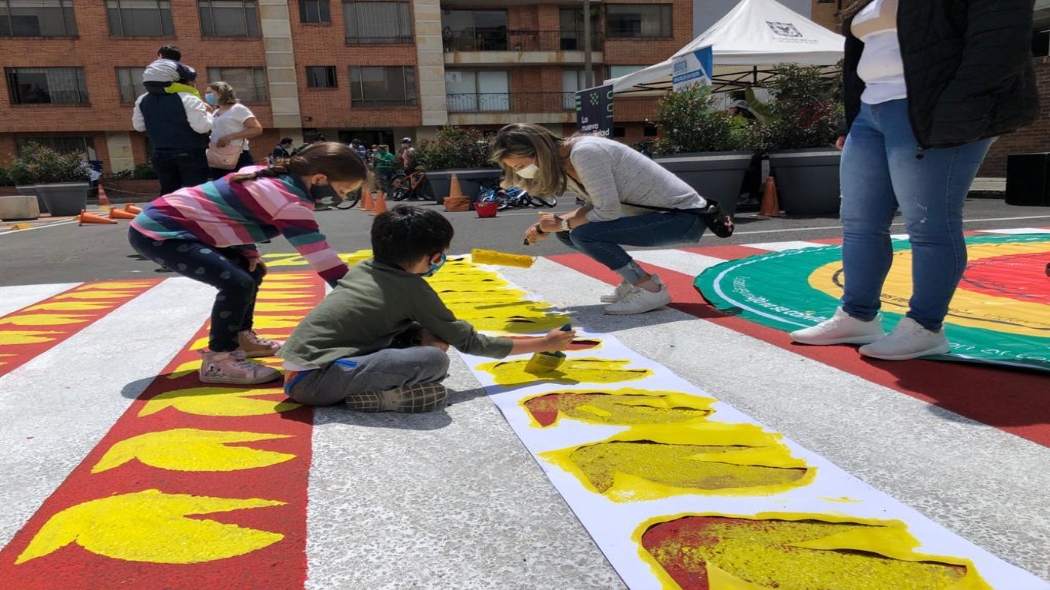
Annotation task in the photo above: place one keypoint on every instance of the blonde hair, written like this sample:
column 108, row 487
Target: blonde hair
column 223, row 92
column 531, row 141
column 338, row 162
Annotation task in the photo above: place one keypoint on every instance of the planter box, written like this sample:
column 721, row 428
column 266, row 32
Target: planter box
column 30, row 191
column 66, row 199
column 7, row 191
column 131, row 191
column 807, row 180
column 15, row 207
column 470, row 181
column 717, row 176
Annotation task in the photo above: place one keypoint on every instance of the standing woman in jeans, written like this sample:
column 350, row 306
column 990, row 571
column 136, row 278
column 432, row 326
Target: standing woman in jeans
column 232, row 123
column 928, row 86
column 630, row 201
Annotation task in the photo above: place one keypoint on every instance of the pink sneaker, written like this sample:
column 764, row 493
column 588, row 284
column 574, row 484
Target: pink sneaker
column 232, row 368
column 254, row 346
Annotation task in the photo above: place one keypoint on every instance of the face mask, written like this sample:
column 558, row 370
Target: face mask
column 434, row 266
column 324, row 193
column 210, row 99
column 529, row 171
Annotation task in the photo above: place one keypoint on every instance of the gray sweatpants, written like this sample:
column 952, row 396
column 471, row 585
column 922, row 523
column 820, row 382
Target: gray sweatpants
column 384, row 369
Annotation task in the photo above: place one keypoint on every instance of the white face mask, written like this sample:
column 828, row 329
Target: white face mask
column 529, row 171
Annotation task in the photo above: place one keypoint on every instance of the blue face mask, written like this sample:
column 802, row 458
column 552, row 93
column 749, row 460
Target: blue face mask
column 210, row 99
column 434, row 266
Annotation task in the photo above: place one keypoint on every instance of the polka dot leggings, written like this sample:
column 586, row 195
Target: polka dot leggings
column 226, row 269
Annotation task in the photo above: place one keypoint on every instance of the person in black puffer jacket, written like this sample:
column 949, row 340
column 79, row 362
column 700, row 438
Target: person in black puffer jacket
column 928, row 85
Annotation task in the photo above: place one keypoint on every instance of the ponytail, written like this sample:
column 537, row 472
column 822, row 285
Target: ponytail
column 335, row 160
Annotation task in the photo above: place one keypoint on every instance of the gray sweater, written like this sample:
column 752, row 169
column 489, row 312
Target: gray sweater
column 371, row 305
column 615, row 176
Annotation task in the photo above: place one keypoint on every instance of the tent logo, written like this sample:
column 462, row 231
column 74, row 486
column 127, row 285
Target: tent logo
column 784, row 29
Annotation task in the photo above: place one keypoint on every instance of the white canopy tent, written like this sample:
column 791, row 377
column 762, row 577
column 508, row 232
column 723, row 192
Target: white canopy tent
column 756, row 33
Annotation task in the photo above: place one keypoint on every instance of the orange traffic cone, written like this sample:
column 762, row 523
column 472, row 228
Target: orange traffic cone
column 380, row 204
column 130, row 208
column 86, row 217
column 454, row 190
column 770, row 204
column 103, row 200
column 115, row 213
column 366, row 199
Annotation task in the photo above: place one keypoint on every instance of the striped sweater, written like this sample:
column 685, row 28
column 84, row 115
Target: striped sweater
column 237, row 215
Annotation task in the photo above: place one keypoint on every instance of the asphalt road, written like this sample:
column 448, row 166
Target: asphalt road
column 64, row 252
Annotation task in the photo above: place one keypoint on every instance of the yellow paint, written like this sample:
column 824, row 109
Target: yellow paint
column 479, row 256
column 17, row 337
column 513, row 309
column 466, row 282
column 273, row 322
column 842, row 499
column 219, row 401
column 114, row 295
column 190, row 449
column 110, row 285
column 573, row 370
column 153, row 527
column 483, row 297
column 795, row 551
column 264, row 307
column 654, row 461
column 43, row 319
column 622, row 406
column 69, row 306
column 968, row 308
column 520, row 325
column 280, row 295
column 290, row 277
column 20, row 226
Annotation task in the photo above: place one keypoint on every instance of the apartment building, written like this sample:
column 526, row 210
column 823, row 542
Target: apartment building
column 377, row 70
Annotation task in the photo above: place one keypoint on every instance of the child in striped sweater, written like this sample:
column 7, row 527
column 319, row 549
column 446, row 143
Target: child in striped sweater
column 208, row 233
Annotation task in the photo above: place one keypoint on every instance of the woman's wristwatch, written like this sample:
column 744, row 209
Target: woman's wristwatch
column 539, row 229
column 564, row 223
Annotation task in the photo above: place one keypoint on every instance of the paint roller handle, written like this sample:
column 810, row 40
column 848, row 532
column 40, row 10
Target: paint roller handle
column 560, row 338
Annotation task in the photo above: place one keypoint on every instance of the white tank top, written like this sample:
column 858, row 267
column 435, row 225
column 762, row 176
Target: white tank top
column 880, row 65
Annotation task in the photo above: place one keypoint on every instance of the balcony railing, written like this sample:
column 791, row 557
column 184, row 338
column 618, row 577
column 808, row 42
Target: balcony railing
column 517, row 102
column 518, row 40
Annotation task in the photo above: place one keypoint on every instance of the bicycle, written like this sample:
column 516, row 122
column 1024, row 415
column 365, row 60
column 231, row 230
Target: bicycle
column 407, row 186
column 514, row 197
column 350, row 201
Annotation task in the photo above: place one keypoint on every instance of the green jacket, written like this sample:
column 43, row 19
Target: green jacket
column 383, row 162
column 371, row 305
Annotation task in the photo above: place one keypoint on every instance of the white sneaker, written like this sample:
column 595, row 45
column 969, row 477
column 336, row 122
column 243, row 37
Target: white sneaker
column 639, row 300
column 907, row 341
column 621, row 291
column 842, row 328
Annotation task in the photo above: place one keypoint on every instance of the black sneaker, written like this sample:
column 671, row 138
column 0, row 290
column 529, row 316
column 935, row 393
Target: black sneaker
column 720, row 224
column 409, row 399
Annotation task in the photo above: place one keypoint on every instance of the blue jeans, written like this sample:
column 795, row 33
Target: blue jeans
column 602, row 240
column 180, row 168
column 882, row 169
column 226, row 269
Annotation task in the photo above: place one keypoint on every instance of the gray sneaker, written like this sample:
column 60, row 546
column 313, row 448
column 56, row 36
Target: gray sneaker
column 842, row 328
column 619, row 293
column 409, row 399
column 232, row 368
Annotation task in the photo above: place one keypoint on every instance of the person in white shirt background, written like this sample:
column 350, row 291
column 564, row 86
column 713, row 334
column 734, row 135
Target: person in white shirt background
column 233, row 124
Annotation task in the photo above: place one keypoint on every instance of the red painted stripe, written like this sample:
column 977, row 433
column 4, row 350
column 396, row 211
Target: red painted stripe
column 14, row 355
column 1011, row 400
column 278, row 566
column 726, row 252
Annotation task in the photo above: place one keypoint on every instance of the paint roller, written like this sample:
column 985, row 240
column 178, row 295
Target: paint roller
column 501, row 258
column 545, row 362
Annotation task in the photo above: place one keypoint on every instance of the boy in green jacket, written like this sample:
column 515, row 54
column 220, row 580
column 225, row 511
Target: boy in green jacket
column 379, row 340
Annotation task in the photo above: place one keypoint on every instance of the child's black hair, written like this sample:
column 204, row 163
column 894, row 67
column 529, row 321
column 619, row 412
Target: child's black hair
column 170, row 52
column 405, row 234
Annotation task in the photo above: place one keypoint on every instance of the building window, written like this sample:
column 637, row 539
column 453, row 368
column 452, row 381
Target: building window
column 46, row 85
column 248, row 83
column 572, row 81
column 315, row 11
column 617, row 71
column 320, row 77
column 129, row 81
column 378, row 22
column 383, row 86
column 228, row 18
column 638, row 20
column 139, row 18
column 37, row 18
column 472, row 92
column 62, row 145
column 475, row 30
